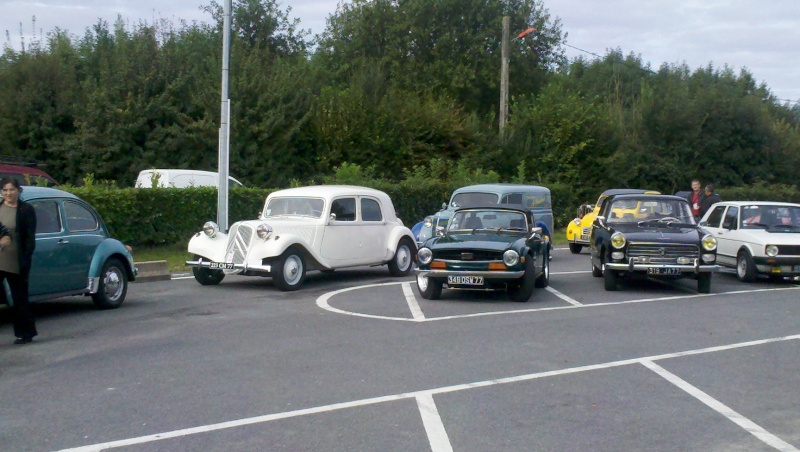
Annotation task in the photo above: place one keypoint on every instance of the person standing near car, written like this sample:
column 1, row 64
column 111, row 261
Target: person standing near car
column 16, row 253
column 709, row 199
column 695, row 198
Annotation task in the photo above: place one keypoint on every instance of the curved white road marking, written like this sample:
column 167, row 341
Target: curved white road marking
column 322, row 302
column 417, row 394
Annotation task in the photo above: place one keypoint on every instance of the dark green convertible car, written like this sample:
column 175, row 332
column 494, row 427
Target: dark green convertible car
column 75, row 255
column 486, row 248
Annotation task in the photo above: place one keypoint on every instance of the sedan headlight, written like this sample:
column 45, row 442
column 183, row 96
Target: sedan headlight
column 425, row 255
column 263, row 231
column 510, row 258
column 709, row 243
column 772, row 250
column 427, row 222
column 211, row 229
column 618, row 240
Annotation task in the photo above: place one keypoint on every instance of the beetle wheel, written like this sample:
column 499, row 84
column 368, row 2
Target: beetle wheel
column 113, row 285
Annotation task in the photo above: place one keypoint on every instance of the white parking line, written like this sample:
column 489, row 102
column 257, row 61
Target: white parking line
column 323, row 302
column 569, row 300
column 437, row 435
column 416, row 312
column 420, row 394
column 750, row 426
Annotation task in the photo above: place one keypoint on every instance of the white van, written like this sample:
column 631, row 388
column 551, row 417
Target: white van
column 180, row 178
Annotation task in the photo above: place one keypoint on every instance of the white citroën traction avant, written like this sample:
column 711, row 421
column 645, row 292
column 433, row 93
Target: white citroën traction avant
column 322, row 228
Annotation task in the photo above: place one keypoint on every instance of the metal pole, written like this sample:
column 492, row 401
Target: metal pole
column 224, row 126
column 504, row 75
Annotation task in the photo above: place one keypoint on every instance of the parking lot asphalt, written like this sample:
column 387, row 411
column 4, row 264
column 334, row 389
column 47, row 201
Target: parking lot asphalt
column 357, row 360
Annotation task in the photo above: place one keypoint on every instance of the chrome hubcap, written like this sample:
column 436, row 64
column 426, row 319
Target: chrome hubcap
column 292, row 270
column 112, row 282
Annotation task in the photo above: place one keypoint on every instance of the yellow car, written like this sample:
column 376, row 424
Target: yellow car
column 578, row 229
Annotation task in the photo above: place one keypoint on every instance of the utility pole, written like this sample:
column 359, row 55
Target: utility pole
column 504, row 75
column 224, row 123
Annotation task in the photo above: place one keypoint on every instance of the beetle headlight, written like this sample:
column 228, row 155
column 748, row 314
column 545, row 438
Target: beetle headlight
column 709, row 243
column 263, row 231
column 618, row 240
column 510, row 257
column 211, row 228
column 425, row 255
column 772, row 250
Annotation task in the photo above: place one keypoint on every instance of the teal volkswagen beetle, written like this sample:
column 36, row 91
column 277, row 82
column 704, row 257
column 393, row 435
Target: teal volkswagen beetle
column 74, row 253
column 486, row 248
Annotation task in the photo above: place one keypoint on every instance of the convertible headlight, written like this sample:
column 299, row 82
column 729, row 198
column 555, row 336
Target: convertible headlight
column 425, row 255
column 263, row 231
column 510, row 258
column 772, row 250
column 709, row 243
column 427, row 222
column 211, row 229
column 618, row 240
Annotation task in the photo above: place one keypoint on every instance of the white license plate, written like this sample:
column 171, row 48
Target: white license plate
column 465, row 280
column 585, row 238
column 796, row 268
column 664, row 271
column 222, row 265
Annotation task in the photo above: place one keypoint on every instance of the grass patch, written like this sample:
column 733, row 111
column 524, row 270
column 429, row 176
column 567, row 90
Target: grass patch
column 175, row 255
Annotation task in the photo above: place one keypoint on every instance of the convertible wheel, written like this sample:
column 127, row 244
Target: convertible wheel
column 745, row 267
column 609, row 279
column 704, row 282
column 429, row 288
column 113, row 285
column 289, row 271
column 207, row 276
column 575, row 248
column 544, row 279
column 521, row 291
column 400, row 265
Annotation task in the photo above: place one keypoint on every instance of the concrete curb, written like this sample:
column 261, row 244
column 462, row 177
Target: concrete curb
column 152, row 271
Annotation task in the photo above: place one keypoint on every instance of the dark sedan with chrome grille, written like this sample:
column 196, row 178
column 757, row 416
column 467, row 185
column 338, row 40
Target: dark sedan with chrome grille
column 486, row 248
column 656, row 236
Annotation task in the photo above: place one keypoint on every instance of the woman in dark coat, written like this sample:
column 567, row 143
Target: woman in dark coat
column 17, row 241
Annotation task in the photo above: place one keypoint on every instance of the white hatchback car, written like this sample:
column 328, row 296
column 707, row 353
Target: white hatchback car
column 308, row 228
column 756, row 237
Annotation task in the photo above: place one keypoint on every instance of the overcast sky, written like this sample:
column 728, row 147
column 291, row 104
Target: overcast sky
column 760, row 35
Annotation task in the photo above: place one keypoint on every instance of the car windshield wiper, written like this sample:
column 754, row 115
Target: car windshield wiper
column 659, row 222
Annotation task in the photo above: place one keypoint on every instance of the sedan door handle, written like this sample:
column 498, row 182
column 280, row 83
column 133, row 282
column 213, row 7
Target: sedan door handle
column 63, row 241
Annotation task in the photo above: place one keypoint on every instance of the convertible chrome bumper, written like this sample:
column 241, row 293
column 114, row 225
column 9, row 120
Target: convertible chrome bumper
column 485, row 274
column 239, row 268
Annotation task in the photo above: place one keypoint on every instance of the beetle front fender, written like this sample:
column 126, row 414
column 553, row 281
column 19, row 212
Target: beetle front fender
column 111, row 248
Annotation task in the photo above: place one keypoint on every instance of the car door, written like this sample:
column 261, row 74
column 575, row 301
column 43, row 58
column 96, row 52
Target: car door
column 48, row 273
column 341, row 239
column 728, row 240
column 374, row 233
column 80, row 242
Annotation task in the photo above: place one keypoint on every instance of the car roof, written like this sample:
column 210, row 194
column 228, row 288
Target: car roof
column 20, row 169
column 329, row 191
column 34, row 192
column 502, row 188
column 625, row 191
column 758, row 203
column 650, row 196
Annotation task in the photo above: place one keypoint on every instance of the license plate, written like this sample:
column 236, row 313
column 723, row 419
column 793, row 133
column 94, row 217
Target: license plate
column 664, row 271
column 465, row 280
column 222, row 265
column 796, row 268
column 585, row 238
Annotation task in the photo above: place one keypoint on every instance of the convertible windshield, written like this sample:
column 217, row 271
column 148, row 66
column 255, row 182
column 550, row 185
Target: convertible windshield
column 306, row 207
column 488, row 219
column 650, row 210
column 770, row 217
